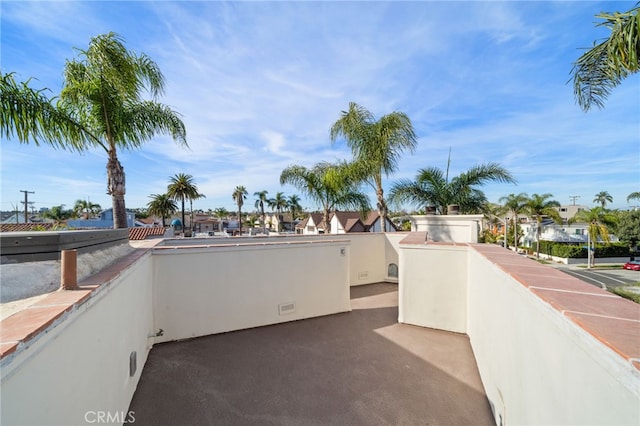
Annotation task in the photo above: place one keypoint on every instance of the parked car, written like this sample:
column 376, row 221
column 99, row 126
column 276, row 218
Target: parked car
column 633, row 265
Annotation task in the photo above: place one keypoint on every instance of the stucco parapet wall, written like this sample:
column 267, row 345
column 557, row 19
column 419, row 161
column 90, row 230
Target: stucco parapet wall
column 611, row 319
column 421, row 238
column 20, row 330
column 168, row 246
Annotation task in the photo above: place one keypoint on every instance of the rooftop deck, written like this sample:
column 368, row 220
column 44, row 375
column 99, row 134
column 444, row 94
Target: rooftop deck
column 360, row 367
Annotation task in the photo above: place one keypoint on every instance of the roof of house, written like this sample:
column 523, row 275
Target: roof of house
column 349, row 220
column 317, row 220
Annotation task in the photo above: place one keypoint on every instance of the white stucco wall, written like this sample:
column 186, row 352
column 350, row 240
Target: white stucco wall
column 448, row 228
column 212, row 290
column 537, row 367
column 81, row 366
column 432, row 290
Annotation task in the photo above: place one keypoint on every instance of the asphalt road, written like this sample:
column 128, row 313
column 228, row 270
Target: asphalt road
column 604, row 278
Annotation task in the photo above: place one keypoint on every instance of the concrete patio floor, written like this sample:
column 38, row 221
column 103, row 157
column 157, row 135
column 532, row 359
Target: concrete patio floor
column 356, row 368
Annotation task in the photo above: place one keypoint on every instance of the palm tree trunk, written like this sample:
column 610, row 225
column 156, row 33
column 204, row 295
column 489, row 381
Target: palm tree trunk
column 184, row 224
column 325, row 218
column 382, row 210
column 116, row 188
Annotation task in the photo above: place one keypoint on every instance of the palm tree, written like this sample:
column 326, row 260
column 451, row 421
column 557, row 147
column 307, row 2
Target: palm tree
column 599, row 220
column 539, row 206
column 86, row 208
column 293, row 204
column 259, row 204
column 433, row 188
column 278, row 203
column 514, row 203
column 195, row 196
column 220, row 213
column 602, row 198
column 329, row 185
column 376, row 146
column 57, row 213
column 161, row 205
column 104, row 93
column 607, row 63
column 181, row 187
column 239, row 195
column 27, row 115
column 633, row 196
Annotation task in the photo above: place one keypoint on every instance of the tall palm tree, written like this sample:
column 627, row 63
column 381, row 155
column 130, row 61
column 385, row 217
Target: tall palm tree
column 104, row 91
column 239, row 195
column 602, row 198
column 433, row 188
column 599, row 220
column 195, row 196
column 181, row 188
column 329, row 185
column 514, row 203
column 539, row 206
column 259, row 204
column 606, row 64
column 161, row 205
column 293, row 204
column 376, row 146
column 278, row 203
column 86, row 208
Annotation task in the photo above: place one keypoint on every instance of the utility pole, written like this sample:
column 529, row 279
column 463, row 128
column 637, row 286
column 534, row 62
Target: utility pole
column 573, row 199
column 26, row 204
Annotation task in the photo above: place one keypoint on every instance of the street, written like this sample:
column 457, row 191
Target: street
column 604, row 278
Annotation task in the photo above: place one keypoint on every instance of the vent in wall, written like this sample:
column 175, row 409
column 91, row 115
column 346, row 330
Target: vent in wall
column 286, row 308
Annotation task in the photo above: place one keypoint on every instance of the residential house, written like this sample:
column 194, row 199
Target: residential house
column 105, row 220
column 345, row 222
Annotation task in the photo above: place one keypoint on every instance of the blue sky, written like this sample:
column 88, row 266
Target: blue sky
column 259, row 85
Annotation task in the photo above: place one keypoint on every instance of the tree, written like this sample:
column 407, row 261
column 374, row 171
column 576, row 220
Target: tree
column 259, row 204
column 103, row 91
column 181, row 188
column 239, row 195
column 599, row 220
column 29, row 116
column 602, row 198
column 606, row 64
column 514, row 203
column 57, row 213
column 293, row 204
column 538, row 207
column 161, row 205
column 628, row 229
column 433, row 188
column 376, row 146
column 329, row 185
column 278, row 203
column 633, row 196
column 86, row 208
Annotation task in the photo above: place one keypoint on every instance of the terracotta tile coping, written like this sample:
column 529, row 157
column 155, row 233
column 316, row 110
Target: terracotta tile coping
column 168, row 246
column 609, row 318
column 24, row 325
column 21, row 327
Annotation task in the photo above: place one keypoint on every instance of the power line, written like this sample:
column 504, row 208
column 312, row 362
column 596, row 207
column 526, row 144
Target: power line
column 26, row 204
column 573, row 199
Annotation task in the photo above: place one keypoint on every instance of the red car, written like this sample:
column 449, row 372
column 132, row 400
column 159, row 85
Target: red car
column 633, row 265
